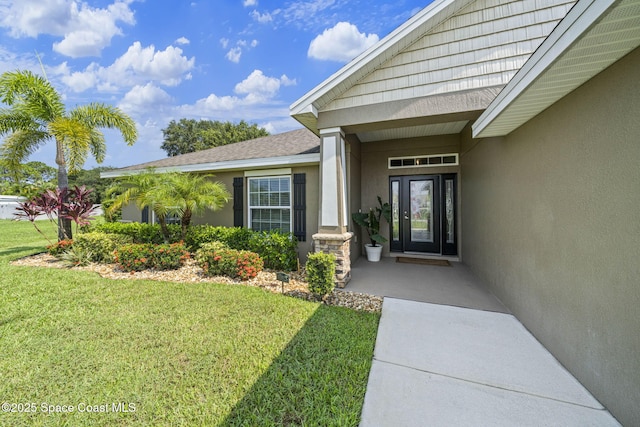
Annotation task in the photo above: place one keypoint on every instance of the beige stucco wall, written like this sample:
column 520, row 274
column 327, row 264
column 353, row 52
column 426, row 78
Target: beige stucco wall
column 551, row 223
column 224, row 217
column 375, row 170
column 353, row 191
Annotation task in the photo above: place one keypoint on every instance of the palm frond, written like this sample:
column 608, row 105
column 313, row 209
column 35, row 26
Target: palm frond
column 34, row 93
column 12, row 121
column 19, row 145
column 97, row 145
column 107, row 116
column 76, row 140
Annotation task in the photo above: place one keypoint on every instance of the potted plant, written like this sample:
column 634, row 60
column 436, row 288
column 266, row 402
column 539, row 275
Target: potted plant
column 371, row 222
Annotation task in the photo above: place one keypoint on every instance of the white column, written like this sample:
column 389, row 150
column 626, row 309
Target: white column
column 333, row 177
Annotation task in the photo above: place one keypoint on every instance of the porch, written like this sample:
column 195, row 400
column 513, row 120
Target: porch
column 453, row 285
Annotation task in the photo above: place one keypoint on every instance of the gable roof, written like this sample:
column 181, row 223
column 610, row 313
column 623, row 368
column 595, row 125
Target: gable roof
column 593, row 35
column 305, row 110
column 297, row 147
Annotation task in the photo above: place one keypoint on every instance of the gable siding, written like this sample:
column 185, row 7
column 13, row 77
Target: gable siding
column 484, row 45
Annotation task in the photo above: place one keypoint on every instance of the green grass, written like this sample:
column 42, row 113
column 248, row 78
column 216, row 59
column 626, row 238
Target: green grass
column 182, row 354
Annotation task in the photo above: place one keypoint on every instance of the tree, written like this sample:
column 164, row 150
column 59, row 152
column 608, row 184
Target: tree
column 141, row 189
column 28, row 180
column 188, row 135
column 91, row 179
column 37, row 115
column 187, row 194
column 184, row 194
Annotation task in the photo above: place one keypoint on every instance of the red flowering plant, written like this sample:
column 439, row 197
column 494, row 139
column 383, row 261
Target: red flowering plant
column 144, row 256
column 244, row 265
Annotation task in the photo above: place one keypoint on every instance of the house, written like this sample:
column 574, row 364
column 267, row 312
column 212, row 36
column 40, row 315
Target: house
column 505, row 134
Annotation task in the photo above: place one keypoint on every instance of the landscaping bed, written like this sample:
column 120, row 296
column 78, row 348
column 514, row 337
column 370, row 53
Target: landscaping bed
column 190, row 272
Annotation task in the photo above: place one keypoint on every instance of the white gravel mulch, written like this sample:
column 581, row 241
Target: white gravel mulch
column 191, row 273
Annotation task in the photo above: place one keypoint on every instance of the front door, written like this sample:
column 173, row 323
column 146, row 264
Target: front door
column 423, row 214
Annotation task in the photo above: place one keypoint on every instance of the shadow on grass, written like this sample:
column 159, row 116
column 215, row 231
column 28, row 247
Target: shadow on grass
column 320, row 378
column 22, row 250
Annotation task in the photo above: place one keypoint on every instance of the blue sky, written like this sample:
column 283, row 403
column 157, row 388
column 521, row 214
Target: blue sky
column 166, row 60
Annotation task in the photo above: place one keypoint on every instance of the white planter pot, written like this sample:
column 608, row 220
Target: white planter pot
column 373, row 252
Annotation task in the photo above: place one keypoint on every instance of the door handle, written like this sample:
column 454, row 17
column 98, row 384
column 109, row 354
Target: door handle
column 406, row 216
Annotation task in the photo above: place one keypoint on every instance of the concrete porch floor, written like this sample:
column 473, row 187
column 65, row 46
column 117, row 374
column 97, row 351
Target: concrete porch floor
column 455, row 285
column 448, row 353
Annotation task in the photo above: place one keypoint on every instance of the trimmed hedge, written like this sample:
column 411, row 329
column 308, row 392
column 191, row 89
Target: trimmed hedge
column 277, row 250
column 321, row 270
column 143, row 256
column 139, row 232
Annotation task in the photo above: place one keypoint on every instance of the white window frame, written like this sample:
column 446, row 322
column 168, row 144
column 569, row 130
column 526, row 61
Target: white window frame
column 251, row 207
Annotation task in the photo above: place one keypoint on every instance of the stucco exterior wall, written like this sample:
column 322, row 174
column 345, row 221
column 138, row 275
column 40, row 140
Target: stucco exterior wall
column 375, row 170
column 354, row 162
column 550, row 219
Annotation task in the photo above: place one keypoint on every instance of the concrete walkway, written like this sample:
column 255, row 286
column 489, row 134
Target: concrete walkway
column 441, row 364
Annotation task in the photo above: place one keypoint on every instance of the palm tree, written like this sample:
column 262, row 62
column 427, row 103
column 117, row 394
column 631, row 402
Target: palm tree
column 37, row 115
column 141, row 189
column 189, row 194
column 184, row 194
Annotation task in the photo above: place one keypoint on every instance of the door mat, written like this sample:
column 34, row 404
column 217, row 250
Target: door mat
column 440, row 262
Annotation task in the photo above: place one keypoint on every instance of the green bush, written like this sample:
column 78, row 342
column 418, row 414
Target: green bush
column 144, row 256
column 100, row 245
column 234, row 237
column 58, row 248
column 321, row 270
column 278, row 250
column 244, row 265
column 140, row 232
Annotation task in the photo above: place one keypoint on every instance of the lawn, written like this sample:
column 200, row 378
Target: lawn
column 80, row 350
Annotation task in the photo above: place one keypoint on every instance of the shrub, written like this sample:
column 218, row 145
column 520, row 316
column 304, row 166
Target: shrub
column 229, row 262
column 143, row 256
column 139, row 232
column 278, row 250
column 233, row 237
column 321, row 269
column 170, row 257
column 58, row 248
column 101, row 245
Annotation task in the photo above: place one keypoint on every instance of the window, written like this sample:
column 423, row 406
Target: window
column 270, row 203
column 423, row 161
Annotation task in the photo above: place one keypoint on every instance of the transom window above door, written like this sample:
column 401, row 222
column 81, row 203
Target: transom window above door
column 270, row 203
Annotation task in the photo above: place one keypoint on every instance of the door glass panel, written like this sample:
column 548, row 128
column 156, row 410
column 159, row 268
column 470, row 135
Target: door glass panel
column 421, row 194
column 395, row 210
column 449, row 217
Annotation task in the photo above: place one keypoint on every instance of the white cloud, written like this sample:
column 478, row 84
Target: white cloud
column 255, row 96
column 234, row 54
column 248, row 3
column 224, row 43
column 138, row 65
column 85, row 30
column 144, row 98
column 262, row 18
column 343, row 42
column 183, row 40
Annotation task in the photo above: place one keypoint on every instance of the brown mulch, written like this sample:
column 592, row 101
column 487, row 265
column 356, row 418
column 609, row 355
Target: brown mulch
column 191, row 273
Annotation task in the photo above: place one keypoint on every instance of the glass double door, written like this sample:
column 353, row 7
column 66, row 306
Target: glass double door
column 423, row 214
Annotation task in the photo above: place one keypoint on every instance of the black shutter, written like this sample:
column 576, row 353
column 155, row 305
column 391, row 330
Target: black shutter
column 300, row 206
column 145, row 215
column 238, row 196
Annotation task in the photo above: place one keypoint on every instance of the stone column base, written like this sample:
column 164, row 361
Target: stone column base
column 340, row 246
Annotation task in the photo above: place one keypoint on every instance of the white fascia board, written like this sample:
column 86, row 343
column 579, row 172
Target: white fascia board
column 579, row 19
column 307, row 101
column 231, row 165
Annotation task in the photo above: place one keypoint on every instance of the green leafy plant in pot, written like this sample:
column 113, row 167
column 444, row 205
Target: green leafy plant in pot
column 371, row 223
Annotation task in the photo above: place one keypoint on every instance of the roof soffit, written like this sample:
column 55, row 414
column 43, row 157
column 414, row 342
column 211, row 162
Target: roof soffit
column 594, row 35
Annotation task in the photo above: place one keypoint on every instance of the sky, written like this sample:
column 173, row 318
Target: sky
column 160, row 60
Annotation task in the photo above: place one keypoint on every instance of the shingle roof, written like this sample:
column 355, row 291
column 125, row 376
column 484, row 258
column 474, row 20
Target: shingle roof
column 292, row 143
